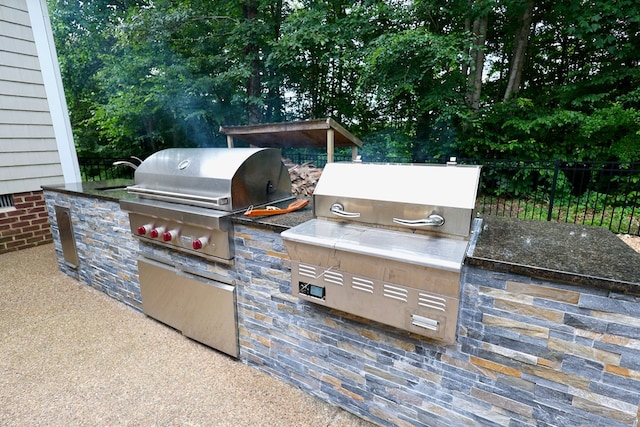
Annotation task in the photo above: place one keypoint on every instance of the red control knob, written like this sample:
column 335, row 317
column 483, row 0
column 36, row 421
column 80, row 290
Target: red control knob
column 169, row 235
column 156, row 232
column 143, row 229
column 200, row 243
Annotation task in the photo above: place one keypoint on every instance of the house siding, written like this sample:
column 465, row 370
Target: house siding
column 29, row 151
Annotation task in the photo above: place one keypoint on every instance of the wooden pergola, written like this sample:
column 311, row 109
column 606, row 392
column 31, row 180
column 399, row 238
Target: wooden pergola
column 309, row 133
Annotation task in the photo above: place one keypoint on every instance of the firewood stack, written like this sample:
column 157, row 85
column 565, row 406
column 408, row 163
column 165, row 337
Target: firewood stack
column 304, row 177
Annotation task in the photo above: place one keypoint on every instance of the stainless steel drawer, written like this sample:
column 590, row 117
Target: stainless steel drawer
column 201, row 308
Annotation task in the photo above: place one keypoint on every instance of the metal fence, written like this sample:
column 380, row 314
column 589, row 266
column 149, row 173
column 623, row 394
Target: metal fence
column 603, row 194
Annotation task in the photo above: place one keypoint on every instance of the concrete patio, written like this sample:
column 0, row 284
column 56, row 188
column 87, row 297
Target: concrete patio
column 70, row 355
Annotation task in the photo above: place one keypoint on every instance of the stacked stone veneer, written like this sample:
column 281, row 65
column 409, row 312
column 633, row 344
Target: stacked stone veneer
column 25, row 226
column 106, row 250
column 528, row 353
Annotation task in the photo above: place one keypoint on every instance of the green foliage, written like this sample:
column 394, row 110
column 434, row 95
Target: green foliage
column 140, row 75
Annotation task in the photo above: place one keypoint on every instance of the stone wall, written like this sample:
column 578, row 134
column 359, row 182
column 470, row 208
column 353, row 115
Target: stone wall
column 25, row 226
column 529, row 352
column 106, row 250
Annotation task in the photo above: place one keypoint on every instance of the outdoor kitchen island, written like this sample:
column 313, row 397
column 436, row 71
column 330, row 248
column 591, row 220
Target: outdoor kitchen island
column 535, row 345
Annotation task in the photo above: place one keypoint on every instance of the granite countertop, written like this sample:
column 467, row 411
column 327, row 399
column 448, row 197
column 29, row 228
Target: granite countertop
column 112, row 190
column 115, row 190
column 576, row 254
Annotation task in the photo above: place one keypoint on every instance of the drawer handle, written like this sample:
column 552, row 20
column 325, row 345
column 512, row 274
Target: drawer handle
column 424, row 322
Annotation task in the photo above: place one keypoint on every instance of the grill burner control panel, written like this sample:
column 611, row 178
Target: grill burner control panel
column 201, row 240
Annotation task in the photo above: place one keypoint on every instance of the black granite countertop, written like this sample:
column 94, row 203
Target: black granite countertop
column 576, row 254
column 279, row 222
column 115, row 190
column 112, row 190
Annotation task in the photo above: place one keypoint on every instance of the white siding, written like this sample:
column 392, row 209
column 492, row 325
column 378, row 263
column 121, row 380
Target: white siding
column 35, row 135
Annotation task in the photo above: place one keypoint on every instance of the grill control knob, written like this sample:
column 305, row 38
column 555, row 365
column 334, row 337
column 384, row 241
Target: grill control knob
column 168, row 236
column 156, row 232
column 200, row 243
column 142, row 230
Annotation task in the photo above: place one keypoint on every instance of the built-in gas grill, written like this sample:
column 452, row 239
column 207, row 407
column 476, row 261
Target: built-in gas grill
column 387, row 243
column 184, row 202
column 186, row 196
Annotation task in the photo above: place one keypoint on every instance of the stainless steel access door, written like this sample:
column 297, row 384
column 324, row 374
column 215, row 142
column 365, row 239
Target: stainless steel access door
column 201, row 308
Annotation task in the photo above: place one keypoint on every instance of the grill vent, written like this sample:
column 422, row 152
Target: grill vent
column 432, row 301
column 6, row 201
column 307, row 270
column 361, row 284
column 333, row 277
column 396, row 292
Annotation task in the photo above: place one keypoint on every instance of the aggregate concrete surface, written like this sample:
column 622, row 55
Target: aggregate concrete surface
column 72, row 356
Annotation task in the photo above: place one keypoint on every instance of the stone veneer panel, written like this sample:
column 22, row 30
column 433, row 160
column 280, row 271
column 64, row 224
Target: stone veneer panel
column 106, row 250
column 529, row 352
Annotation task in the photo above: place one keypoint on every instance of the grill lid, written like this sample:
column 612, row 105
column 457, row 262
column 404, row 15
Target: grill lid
column 228, row 179
column 423, row 198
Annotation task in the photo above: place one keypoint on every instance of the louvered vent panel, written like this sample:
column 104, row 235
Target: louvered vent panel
column 334, row 277
column 433, row 302
column 361, row 284
column 307, row 270
column 396, row 292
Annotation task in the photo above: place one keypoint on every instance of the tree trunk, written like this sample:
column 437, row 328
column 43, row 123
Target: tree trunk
column 480, row 25
column 251, row 52
column 519, row 51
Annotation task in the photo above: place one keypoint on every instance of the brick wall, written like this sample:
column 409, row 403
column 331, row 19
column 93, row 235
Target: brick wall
column 27, row 225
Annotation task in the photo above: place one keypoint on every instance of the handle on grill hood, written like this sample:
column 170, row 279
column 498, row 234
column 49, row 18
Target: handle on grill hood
column 433, row 220
column 338, row 209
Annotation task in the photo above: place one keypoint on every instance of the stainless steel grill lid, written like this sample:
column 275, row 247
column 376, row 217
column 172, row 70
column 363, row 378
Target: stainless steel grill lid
column 422, row 198
column 219, row 178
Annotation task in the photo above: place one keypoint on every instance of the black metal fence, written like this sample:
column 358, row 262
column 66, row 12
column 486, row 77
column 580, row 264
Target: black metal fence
column 603, row 194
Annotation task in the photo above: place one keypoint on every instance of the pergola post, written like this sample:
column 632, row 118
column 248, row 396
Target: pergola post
column 229, row 141
column 330, row 143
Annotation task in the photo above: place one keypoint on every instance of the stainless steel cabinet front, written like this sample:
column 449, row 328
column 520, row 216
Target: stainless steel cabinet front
column 201, row 308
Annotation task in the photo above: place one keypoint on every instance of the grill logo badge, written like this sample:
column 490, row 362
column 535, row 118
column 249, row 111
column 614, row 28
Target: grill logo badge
column 184, row 164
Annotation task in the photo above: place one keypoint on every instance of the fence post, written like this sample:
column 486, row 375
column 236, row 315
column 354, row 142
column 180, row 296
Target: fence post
column 552, row 195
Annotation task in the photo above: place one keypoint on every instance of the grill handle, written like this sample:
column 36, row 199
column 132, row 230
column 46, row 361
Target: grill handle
column 433, row 220
column 338, row 209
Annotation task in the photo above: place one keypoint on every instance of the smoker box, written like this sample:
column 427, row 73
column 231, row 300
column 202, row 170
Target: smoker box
column 387, row 244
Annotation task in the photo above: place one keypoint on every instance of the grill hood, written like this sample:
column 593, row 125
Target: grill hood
column 220, row 178
column 402, row 196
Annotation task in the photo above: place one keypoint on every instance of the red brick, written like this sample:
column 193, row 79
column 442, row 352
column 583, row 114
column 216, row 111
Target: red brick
column 8, row 220
column 23, row 205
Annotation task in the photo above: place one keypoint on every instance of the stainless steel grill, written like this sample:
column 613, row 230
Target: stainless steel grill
column 184, row 201
column 387, row 243
column 186, row 196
